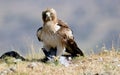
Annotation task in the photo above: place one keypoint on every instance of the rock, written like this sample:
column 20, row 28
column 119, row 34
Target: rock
column 32, row 65
column 100, row 59
column 7, row 71
column 13, row 69
column 12, row 54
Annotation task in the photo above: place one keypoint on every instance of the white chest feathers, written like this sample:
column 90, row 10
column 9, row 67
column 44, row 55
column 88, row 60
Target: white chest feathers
column 50, row 36
column 57, row 27
column 50, row 26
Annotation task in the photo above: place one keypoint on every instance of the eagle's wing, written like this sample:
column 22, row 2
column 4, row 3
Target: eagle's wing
column 68, row 39
column 39, row 33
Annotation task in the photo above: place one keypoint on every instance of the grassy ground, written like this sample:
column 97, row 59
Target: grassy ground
column 104, row 63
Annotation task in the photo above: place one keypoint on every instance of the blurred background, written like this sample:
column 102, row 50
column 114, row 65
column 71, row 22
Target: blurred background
column 95, row 24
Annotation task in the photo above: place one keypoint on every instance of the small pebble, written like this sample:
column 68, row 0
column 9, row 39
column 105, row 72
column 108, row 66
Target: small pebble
column 32, row 65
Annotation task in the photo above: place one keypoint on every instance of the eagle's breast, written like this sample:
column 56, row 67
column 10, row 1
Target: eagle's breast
column 50, row 36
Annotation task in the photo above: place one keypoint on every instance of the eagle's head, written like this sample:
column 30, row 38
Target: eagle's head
column 49, row 15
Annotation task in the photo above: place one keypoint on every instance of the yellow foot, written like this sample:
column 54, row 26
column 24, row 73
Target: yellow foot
column 56, row 58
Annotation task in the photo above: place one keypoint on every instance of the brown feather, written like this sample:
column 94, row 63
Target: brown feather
column 68, row 40
column 56, row 34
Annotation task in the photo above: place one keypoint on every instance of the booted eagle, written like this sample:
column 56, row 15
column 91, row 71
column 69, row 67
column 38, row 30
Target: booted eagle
column 57, row 35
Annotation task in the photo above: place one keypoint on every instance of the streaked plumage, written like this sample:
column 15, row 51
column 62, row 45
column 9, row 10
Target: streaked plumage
column 56, row 34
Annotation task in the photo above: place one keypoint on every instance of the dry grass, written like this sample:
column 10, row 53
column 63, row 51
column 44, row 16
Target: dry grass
column 104, row 63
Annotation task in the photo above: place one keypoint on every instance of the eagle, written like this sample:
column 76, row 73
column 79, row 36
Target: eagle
column 57, row 35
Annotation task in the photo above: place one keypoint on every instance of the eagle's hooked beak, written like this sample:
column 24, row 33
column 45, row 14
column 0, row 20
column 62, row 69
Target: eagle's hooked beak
column 48, row 16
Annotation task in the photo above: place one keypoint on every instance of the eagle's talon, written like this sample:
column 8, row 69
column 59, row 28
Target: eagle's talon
column 56, row 58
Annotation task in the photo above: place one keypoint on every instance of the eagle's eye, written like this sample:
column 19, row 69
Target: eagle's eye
column 49, row 15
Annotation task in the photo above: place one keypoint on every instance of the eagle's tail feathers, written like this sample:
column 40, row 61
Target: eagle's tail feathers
column 73, row 49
